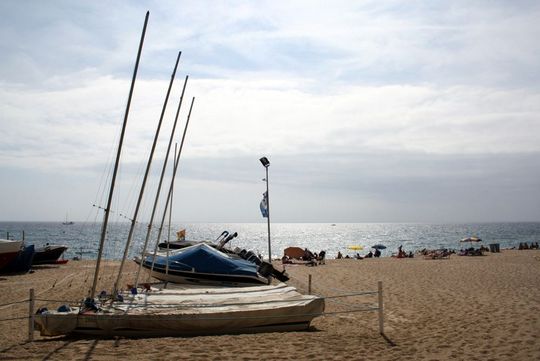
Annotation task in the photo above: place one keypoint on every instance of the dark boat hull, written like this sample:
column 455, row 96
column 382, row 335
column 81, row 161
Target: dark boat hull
column 6, row 258
column 23, row 262
column 9, row 249
column 181, row 244
column 48, row 254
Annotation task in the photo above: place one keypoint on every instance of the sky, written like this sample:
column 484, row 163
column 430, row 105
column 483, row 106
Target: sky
column 369, row 111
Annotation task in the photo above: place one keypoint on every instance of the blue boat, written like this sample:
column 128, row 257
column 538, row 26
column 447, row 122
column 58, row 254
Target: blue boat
column 204, row 264
column 23, row 262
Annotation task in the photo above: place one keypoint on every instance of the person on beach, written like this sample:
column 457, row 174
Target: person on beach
column 308, row 255
column 377, row 253
column 401, row 252
column 321, row 257
column 369, row 255
column 339, row 255
column 285, row 259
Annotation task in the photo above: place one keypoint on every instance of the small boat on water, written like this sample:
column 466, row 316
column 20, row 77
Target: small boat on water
column 66, row 222
column 204, row 264
column 48, row 254
column 22, row 262
column 187, row 312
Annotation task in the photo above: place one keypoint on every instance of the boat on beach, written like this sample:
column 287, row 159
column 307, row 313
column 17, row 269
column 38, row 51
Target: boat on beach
column 48, row 254
column 204, row 264
column 9, row 249
column 22, row 261
column 187, row 312
column 182, row 242
column 146, row 311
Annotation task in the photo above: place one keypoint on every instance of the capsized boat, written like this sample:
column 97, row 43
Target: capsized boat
column 204, row 264
column 187, row 312
column 9, row 249
column 48, row 254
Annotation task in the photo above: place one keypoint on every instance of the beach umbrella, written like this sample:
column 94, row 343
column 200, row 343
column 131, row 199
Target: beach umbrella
column 356, row 248
column 379, row 246
column 471, row 239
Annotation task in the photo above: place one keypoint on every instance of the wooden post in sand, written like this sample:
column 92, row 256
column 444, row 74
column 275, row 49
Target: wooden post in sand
column 309, row 285
column 31, row 316
column 381, row 318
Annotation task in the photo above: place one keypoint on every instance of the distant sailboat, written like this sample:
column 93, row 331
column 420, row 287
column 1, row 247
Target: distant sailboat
column 66, row 222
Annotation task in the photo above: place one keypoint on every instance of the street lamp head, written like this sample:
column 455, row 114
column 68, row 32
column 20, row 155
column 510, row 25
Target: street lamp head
column 265, row 162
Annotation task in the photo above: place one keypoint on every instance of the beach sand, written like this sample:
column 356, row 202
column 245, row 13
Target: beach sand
column 462, row 308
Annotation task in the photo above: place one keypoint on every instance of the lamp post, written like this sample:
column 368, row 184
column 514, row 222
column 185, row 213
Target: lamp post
column 266, row 163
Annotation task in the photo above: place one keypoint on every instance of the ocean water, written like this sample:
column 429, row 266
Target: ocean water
column 83, row 238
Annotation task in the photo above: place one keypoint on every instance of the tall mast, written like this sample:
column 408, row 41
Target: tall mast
column 160, row 183
column 111, row 191
column 170, row 187
column 170, row 212
column 135, row 215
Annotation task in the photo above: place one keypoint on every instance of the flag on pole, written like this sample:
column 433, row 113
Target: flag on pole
column 181, row 235
column 264, row 205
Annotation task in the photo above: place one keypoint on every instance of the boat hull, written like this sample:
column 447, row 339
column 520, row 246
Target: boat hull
column 48, row 254
column 192, row 312
column 203, row 264
column 8, row 251
column 7, row 258
column 198, row 278
column 22, row 262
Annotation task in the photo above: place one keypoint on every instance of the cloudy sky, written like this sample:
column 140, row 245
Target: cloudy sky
column 369, row 111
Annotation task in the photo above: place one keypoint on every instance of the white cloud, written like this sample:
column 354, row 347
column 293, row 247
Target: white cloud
column 344, row 82
column 258, row 115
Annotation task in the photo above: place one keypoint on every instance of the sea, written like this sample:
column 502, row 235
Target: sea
column 82, row 238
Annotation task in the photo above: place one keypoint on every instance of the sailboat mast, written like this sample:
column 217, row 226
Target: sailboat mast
column 136, row 213
column 160, row 183
column 170, row 213
column 172, row 195
column 171, row 187
column 111, row 191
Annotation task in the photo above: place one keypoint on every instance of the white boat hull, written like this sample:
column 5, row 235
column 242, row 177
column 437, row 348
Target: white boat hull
column 9, row 246
column 9, row 249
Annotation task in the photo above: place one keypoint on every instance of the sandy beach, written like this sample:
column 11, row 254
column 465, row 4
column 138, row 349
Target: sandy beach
column 462, row 308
